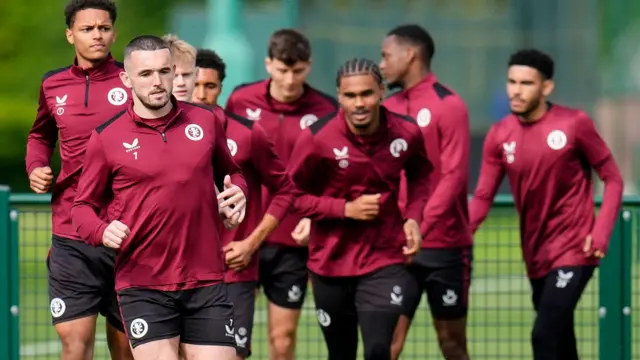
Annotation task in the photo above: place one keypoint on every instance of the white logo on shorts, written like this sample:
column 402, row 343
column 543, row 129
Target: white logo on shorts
column 294, row 294
column 563, row 279
column 556, row 140
column 396, row 295
column 241, row 337
column 323, row 318
column 424, row 117
column 449, row 298
column 229, row 330
column 138, row 328
column 117, row 96
column 194, row 132
column 57, row 307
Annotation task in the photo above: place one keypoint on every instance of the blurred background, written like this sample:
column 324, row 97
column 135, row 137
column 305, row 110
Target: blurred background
column 594, row 42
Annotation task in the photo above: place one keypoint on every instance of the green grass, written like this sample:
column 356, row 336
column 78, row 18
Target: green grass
column 500, row 316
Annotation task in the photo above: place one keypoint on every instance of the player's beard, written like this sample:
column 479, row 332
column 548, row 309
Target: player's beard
column 531, row 108
column 152, row 105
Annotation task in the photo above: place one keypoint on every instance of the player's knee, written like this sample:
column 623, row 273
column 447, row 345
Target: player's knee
column 453, row 343
column 543, row 340
column 399, row 337
column 282, row 341
column 76, row 345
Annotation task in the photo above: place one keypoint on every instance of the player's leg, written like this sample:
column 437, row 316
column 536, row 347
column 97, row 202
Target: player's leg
column 75, row 295
column 117, row 340
column 448, row 294
column 410, row 304
column 568, row 348
column 379, row 300
column 337, row 317
column 283, row 276
column 563, row 288
column 208, row 326
column 243, row 297
column 152, row 320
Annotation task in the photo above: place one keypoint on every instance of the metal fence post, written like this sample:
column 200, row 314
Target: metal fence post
column 5, row 276
column 626, row 276
column 14, row 275
column 610, row 286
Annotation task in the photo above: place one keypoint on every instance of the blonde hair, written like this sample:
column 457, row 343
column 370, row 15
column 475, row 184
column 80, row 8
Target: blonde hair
column 181, row 51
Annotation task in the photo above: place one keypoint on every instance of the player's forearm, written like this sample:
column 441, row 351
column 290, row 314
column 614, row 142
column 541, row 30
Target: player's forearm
column 611, row 203
column 443, row 199
column 320, row 207
column 38, row 154
column 478, row 211
column 268, row 224
column 87, row 223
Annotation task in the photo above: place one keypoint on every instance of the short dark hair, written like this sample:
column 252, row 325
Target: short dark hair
column 535, row 59
column 415, row 35
column 145, row 43
column 289, row 46
column 359, row 66
column 209, row 59
column 74, row 6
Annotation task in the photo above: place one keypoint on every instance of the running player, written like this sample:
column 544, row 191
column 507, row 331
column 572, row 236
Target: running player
column 73, row 101
column 184, row 58
column 210, row 75
column 547, row 152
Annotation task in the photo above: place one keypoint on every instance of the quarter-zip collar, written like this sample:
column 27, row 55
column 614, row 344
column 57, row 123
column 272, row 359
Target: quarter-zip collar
column 97, row 72
column 285, row 108
column 380, row 135
column 172, row 118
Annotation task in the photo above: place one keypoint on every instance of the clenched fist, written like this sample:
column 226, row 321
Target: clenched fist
column 114, row 234
column 365, row 207
column 40, row 179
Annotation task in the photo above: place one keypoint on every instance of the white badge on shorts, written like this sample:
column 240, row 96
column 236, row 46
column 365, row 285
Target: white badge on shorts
column 117, row 96
column 139, row 328
column 58, row 307
column 424, row 117
column 323, row 318
column 557, row 140
column 194, row 132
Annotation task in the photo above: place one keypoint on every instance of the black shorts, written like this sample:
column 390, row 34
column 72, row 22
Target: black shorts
column 445, row 276
column 201, row 316
column 243, row 297
column 284, row 274
column 561, row 288
column 81, row 282
column 383, row 290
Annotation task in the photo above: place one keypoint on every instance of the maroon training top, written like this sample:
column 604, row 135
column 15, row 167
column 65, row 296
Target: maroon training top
column 158, row 179
column 72, row 103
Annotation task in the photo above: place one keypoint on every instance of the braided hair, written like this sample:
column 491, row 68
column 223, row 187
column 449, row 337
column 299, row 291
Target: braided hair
column 359, row 66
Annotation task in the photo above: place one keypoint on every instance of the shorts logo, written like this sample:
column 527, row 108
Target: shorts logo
column 138, row 328
column 424, row 117
column 397, row 146
column 323, row 318
column 241, row 338
column 294, row 294
column 57, row 307
column 563, row 279
column 307, row 121
column 557, row 140
column 117, row 96
column 450, row 298
column 194, row 132
column 229, row 330
column 233, row 147
column 396, row 296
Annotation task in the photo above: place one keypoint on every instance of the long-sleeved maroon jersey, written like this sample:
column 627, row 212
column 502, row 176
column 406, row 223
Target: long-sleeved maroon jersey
column 548, row 164
column 72, row 103
column 331, row 166
column 444, row 121
column 283, row 123
column 261, row 166
column 159, row 181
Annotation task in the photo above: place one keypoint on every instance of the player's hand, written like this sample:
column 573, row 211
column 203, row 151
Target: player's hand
column 40, row 179
column 413, row 236
column 588, row 249
column 230, row 219
column 234, row 198
column 114, row 234
column 237, row 254
column 301, row 233
column 365, row 207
